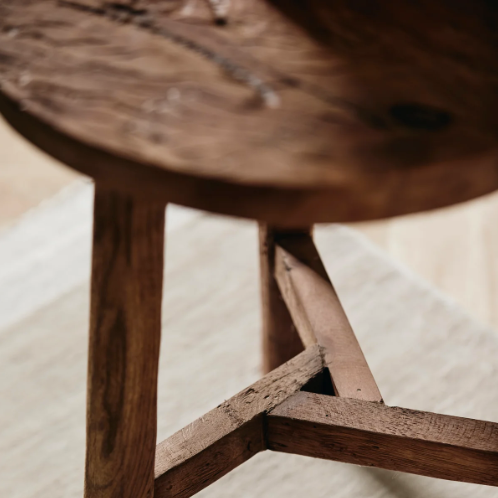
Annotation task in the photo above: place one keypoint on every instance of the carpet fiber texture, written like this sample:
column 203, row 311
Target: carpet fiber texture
column 425, row 352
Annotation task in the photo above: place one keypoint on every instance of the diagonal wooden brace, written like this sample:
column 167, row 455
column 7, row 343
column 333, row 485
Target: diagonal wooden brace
column 227, row 436
column 319, row 317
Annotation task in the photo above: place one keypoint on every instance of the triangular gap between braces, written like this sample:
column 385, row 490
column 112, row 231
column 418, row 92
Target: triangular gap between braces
column 321, row 383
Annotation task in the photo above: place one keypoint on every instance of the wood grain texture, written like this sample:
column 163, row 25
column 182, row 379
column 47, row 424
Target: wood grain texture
column 319, row 316
column 373, row 434
column 227, row 436
column 125, row 327
column 281, row 342
column 292, row 113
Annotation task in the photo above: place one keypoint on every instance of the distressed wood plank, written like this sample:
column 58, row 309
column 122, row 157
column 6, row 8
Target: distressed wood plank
column 281, row 342
column 319, row 316
column 372, row 434
column 227, row 436
column 125, row 328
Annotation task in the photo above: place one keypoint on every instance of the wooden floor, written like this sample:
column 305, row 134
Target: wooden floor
column 455, row 248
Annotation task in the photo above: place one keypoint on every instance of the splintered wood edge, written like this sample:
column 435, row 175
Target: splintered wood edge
column 319, row 316
column 213, row 445
column 372, row 434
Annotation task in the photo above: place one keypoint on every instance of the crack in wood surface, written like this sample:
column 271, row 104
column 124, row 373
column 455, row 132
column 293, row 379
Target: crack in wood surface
column 141, row 18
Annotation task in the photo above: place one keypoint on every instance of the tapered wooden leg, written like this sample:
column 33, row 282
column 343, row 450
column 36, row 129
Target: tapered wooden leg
column 281, row 342
column 125, row 328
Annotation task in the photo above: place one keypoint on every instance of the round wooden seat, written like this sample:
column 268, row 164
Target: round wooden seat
column 292, row 112
column 289, row 112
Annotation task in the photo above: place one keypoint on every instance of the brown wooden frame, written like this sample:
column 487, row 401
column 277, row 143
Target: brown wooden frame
column 354, row 426
column 319, row 398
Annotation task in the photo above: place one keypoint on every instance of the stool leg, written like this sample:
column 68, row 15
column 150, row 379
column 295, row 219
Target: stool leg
column 281, row 341
column 125, row 325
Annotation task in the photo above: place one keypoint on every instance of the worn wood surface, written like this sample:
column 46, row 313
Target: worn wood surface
column 363, row 433
column 281, row 342
column 319, row 316
column 292, row 112
column 125, row 327
column 230, row 434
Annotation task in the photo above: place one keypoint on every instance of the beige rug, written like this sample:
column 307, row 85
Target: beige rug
column 425, row 352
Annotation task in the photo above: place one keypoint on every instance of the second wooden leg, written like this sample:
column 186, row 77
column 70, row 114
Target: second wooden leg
column 125, row 327
column 281, row 341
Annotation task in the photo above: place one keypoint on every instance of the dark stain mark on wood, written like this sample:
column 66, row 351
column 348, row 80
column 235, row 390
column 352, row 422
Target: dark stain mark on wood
column 115, row 376
column 420, row 116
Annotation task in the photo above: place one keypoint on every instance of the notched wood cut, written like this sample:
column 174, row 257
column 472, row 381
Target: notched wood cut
column 227, row 436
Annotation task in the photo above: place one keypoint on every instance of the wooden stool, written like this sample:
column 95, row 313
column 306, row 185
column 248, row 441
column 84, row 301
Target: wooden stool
column 290, row 113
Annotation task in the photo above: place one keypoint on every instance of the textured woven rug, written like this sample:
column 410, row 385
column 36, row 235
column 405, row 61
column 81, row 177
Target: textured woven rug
column 425, row 352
